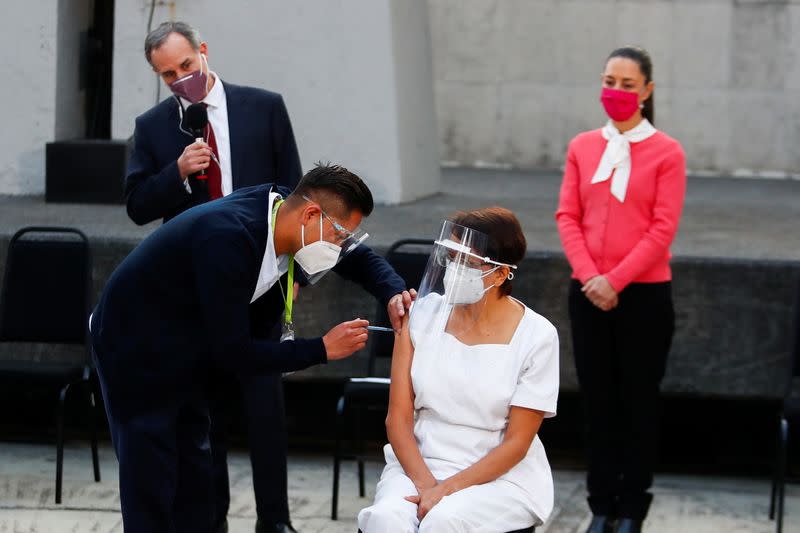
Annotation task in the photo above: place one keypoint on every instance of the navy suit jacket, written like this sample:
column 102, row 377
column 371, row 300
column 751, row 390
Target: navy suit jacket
column 179, row 305
column 263, row 150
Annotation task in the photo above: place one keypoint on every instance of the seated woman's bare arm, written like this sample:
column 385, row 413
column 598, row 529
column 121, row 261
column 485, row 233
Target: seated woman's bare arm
column 400, row 418
column 523, row 424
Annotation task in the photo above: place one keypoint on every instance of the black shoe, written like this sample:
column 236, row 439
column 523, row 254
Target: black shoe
column 601, row 524
column 222, row 527
column 629, row 525
column 278, row 527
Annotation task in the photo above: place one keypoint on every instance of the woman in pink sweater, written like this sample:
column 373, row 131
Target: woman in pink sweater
column 618, row 213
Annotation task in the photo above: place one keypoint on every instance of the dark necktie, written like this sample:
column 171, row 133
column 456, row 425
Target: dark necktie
column 213, row 172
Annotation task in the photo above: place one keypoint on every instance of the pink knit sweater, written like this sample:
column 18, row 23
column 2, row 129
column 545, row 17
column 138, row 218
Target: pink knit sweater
column 625, row 241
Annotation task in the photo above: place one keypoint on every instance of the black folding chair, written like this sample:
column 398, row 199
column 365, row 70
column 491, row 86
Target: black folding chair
column 46, row 298
column 790, row 415
column 408, row 257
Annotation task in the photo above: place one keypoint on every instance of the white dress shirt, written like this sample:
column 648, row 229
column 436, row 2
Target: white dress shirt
column 272, row 266
column 218, row 118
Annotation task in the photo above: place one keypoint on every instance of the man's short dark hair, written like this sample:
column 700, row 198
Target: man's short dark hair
column 158, row 36
column 339, row 184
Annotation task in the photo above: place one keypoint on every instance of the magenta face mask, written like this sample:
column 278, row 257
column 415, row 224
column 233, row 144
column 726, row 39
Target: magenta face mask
column 191, row 87
column 619, row 105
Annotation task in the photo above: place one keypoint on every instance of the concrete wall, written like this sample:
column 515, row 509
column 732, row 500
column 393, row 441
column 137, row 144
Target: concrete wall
column 517, row 79
column 28, row 36
column 355, row 75
column 74, row 18
column 41, row 86
column 514, row 79
column 413, row 89
column 733, row 336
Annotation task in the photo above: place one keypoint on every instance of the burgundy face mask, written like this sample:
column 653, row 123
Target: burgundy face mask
column 619, row 105
column 192, row 86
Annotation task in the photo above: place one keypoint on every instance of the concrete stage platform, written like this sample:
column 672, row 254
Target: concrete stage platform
column 736, row 270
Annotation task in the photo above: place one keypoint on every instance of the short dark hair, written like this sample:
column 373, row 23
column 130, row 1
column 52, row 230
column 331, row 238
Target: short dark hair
column 158, row 36
column 339, row 184
column 642, row 58
column 506, row 241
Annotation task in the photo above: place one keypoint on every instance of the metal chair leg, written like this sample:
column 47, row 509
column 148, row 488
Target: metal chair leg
column 337, row 459
column 784, row 435
column 772, row 494
column 775, row 472
column 60, row 440
column 361, row 491
column 335, row 497
column 360, row 452
column 93, row 429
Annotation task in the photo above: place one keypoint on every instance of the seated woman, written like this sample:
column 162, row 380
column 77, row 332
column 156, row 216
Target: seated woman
column 474, row 373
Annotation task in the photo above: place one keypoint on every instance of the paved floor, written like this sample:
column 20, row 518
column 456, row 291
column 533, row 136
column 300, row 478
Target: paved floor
column 723, row 217
column 682, row 503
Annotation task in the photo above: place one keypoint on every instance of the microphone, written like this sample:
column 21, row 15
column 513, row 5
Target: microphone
column 196, row 117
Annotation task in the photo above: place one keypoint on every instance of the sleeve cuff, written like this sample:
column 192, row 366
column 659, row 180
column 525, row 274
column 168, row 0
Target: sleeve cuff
column 584, row 277
column 536, row 403
column 617, row 284
column 317, row 348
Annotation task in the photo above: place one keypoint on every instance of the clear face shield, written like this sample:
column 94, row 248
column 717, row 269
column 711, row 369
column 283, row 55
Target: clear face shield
column 452, row 294
column 318, row 258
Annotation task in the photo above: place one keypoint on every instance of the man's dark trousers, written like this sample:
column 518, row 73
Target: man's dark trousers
column 147, row 450
column 262, row 398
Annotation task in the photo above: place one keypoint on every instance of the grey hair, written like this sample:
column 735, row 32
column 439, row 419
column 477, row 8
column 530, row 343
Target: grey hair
column 156, row 38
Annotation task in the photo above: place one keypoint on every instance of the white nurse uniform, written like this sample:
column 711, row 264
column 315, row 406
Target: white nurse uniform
column 463, row 394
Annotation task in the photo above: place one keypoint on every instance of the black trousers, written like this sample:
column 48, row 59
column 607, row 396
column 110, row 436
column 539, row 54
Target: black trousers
column 165, row 476
column 262, row 397
column 620, row 356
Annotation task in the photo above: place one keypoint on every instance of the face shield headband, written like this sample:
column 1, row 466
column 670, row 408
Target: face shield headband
column 449, row 249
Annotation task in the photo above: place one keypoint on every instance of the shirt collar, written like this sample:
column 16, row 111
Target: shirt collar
column 272, row 266
column 269, row 253
column 216, row 96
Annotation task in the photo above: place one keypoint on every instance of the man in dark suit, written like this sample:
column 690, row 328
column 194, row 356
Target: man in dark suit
column 249, row 141
column 250, row 127
column 201, row 293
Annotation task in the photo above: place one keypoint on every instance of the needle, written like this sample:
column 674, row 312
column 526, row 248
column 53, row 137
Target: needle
column 380, row 328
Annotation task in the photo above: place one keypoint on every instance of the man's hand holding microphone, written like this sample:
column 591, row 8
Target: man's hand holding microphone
column 195, row 158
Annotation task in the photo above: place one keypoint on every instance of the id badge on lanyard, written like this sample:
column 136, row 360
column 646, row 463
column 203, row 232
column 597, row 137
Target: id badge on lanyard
column 287, row 329
column 287, row 332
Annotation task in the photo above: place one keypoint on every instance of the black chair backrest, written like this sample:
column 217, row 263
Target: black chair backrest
column 46, row 287
column 408, row 257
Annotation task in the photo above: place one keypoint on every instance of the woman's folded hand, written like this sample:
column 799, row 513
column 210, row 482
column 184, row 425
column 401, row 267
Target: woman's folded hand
column 428, row 498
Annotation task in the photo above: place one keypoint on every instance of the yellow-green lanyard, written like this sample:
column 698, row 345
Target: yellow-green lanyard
column 287, row 297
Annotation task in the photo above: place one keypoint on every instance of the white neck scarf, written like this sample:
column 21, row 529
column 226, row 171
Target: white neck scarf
column 617, row 156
